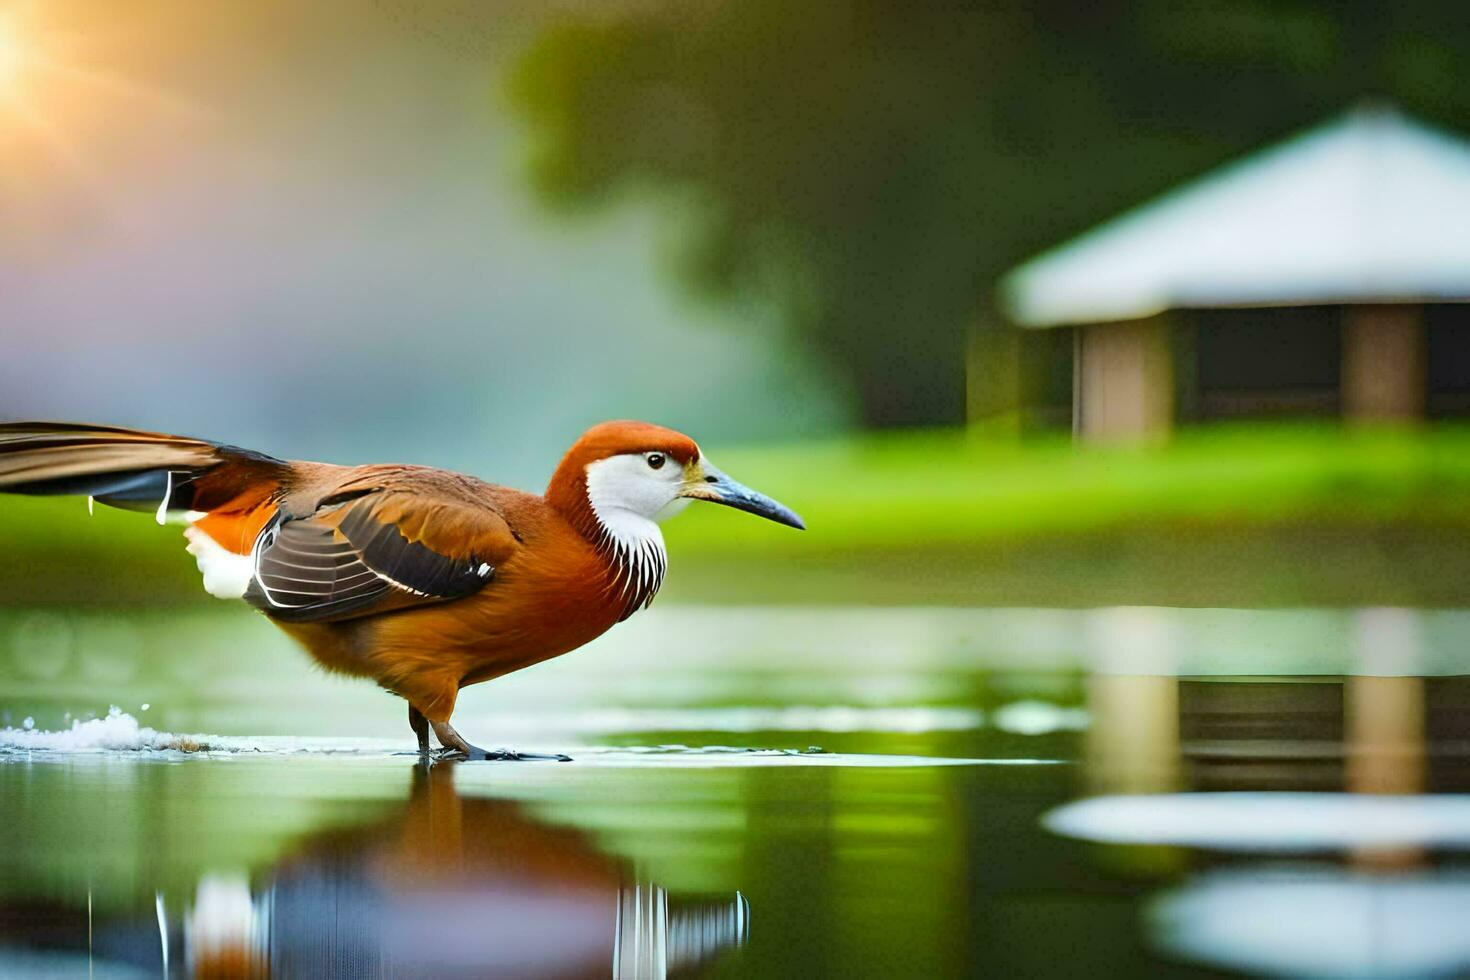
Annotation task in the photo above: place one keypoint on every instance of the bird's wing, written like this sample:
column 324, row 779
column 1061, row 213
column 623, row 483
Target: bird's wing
column 367, row 551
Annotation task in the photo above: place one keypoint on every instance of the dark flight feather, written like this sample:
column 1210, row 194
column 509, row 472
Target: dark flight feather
column 342, row 562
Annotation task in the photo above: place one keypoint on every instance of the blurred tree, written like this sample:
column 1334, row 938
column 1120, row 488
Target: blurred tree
column 872, row 167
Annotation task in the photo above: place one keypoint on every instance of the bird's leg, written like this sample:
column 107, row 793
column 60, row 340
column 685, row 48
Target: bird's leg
column 455, row 747
column 420, row 726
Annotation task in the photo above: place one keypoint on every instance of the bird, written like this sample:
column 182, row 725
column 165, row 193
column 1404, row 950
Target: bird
column 423, row 580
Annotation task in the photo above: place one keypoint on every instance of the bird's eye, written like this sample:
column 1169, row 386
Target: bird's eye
column 655, row 460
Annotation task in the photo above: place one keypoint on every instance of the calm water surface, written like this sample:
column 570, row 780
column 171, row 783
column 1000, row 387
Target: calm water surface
column 907, row 793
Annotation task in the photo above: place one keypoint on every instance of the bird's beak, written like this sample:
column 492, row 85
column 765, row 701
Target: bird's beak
column 705, row 482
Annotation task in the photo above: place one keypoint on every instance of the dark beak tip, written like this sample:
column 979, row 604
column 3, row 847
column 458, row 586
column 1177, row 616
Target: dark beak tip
column 733, row 494
column 781, row 514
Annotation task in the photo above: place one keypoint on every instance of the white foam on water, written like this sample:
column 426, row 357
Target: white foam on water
column 1269, row 822
column 119, row 731
column 116, row 731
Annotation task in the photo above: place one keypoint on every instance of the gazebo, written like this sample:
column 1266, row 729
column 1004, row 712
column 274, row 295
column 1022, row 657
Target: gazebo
column 1314, row 276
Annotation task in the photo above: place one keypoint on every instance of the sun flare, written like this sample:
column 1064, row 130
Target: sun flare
column 65, row 80
column 12, row 54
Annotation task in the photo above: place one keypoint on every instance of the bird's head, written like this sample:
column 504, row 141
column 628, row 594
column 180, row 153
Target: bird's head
column 634, row 469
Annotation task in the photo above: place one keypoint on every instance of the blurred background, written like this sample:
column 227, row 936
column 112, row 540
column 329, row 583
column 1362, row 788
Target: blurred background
column 1116, row 354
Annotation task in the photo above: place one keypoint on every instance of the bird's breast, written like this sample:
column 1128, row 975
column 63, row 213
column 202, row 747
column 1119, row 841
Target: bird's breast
column 548, row 599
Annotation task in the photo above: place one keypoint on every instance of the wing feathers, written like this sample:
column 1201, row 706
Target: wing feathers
column 302, row 574
column 353, row 559
column 130, row 468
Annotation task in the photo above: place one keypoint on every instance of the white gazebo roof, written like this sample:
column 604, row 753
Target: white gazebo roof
column 1371, row 207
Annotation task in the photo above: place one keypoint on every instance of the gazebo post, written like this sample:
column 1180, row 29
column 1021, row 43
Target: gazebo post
column 1124, row 382
column 1383, row 363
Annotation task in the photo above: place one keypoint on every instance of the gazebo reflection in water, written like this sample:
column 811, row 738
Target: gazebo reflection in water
column 1310, row 822
column 1383, row 727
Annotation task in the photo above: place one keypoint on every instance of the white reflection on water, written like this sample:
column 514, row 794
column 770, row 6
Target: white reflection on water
column 225, row 925
column 650, row 938
column 1033, row 717
column 460, row 927
column 1318, row 922
column 1268, row 822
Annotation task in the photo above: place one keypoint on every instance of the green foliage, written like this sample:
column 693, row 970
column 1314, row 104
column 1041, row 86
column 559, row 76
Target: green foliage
column 871, row 168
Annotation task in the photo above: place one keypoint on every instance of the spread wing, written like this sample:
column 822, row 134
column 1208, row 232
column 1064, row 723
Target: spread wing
column 376, row 550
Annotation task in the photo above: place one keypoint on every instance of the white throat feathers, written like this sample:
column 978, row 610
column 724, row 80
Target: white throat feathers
column 629, row 497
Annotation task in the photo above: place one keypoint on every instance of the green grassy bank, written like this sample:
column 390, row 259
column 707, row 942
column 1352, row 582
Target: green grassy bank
column 1223, row 516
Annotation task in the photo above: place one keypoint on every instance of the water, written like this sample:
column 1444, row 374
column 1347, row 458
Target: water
column 896, row 793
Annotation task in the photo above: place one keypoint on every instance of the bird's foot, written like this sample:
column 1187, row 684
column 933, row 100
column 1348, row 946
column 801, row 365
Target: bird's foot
column 477, row 754
column 457, row 749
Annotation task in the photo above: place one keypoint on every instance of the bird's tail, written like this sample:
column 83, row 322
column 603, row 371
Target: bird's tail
column 136, row 470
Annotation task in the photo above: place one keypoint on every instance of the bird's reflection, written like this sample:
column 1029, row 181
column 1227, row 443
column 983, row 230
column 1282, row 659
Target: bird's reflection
column 447, row 886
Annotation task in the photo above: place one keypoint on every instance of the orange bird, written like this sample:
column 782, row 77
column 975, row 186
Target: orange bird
column 424, row 580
